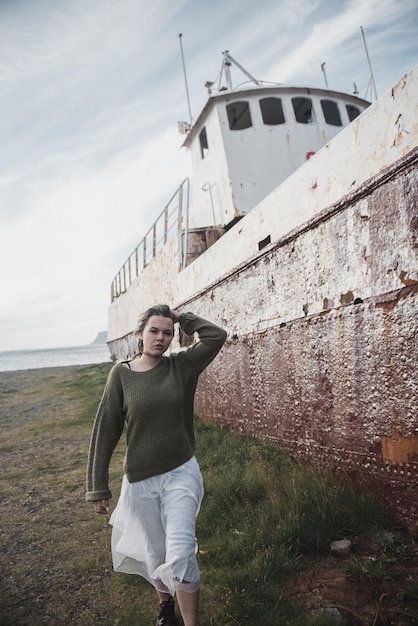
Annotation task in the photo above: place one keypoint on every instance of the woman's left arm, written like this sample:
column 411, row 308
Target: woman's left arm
column 211, row 339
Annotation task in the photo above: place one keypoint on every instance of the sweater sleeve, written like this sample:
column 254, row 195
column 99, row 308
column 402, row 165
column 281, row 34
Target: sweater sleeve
column 211, row 339
column 107, row 429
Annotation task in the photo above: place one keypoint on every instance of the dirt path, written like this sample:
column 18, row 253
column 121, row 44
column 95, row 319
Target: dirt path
column 50, row 541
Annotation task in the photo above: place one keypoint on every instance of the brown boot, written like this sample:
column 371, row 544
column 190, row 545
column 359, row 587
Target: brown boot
column 166, row 615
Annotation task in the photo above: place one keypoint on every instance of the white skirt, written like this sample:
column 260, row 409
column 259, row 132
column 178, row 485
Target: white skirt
column 154, row 528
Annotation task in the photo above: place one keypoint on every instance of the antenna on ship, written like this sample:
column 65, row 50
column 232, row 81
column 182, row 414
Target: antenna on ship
column 185, row 80
column 324, row 73
column 371, row 83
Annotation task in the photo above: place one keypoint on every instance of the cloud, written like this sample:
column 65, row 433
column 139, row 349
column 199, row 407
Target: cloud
column 328, row 37
column 76, row 229
column 83, row 36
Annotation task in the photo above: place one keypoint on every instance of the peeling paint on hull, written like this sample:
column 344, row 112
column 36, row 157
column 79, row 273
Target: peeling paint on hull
column 339, row 390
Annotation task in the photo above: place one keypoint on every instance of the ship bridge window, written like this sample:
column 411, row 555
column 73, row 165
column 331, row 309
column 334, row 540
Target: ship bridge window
column 352, row 111
column 272, row 111
column 304, row 112
column 331, row 112
column 239, row 116
column 203, row 140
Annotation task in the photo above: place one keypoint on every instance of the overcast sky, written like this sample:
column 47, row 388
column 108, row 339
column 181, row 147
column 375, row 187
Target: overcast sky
column 90, row 95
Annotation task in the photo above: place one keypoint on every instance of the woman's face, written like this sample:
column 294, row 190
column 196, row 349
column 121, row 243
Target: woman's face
column 157, row 335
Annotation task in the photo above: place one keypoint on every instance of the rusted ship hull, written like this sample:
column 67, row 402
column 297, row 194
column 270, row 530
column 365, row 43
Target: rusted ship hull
column 338, row 388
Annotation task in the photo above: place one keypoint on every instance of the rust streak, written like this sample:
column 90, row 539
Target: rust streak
column 406, row 281
column 346, row 298
column 399, row 449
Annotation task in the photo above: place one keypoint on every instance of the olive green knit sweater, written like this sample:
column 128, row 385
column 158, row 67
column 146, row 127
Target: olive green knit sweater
column 157, row 408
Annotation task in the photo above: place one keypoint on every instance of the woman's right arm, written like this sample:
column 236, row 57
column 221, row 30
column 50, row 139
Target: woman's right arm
column 107, row 429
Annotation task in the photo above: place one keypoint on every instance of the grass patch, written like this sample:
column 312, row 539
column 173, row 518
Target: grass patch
column 263, row 511
column 370, row 569
column 266, row 520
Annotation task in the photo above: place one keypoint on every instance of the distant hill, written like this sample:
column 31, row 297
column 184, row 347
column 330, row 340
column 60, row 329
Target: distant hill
column 101, row 338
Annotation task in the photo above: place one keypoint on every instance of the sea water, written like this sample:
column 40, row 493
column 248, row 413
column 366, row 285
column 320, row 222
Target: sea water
column 54, row 357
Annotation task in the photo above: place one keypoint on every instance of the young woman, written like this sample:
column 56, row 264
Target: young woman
column 154, row 521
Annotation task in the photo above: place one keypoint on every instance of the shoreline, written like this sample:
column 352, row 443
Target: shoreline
column 24, row 360
column 34, row 383
column 53, row 368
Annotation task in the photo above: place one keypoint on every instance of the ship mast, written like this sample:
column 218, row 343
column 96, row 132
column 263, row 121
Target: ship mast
column 185, row 81
column 228, row 60
column 371, row 84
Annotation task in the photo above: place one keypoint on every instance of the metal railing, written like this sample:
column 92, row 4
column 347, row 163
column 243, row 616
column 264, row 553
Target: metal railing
column 157, row 236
